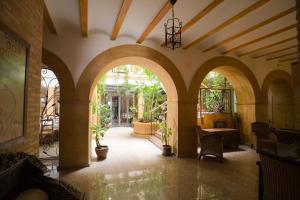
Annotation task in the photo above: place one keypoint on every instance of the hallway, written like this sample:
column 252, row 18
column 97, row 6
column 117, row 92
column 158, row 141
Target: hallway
column 135, row 169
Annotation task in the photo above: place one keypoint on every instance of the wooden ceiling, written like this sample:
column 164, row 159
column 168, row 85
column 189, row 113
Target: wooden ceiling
column 261, row 28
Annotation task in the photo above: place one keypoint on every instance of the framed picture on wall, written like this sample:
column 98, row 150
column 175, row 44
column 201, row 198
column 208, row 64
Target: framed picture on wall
column 14, row 58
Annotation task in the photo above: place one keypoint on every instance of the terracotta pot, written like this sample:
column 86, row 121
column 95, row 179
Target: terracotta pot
column 101, row 152
column 167, row 150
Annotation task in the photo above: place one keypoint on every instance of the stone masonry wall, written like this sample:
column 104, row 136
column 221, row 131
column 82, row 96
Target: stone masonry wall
column 25, row 18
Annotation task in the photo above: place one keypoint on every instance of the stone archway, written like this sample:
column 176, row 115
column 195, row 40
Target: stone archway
column 130, row 54
column 277, row 90
column 245, row 84
column 67, row 93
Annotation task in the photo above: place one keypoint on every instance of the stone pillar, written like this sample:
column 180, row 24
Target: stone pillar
column 74, row 137
column 296, row 74
column 187, row 120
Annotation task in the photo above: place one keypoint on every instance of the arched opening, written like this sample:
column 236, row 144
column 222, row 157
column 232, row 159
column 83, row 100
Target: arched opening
column 167, row 85
column 67, row 93
column 49, row 119
column 166, row 71
column 278, row 91
column 245, row 88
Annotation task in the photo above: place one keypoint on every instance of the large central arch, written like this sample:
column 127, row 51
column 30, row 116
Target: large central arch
column 245, row 84
column 129, row 54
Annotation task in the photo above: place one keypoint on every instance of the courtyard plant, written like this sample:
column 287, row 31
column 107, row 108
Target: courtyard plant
column 153, row 95
column 99, row 130
column 166, row 134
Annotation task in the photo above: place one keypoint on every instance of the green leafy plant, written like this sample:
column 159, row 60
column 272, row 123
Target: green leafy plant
column 133, row 112
column 99, row 130
column 99, row 133
column 153, row 95
column 166, row 132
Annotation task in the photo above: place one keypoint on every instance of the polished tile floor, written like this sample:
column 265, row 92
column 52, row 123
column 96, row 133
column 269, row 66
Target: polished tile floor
column 135, row 169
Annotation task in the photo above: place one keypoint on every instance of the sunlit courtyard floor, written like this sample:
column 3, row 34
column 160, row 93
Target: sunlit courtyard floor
column 135, row 169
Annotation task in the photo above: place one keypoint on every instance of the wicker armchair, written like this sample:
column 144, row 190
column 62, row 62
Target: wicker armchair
column 210, row 144
column 279, row 178
column 265, row 139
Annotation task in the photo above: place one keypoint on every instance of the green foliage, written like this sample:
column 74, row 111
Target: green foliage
column 213, row 99
column 101, row 85
column 100, row 129
column 166, row 132
column 105, row 116
column 133, row 112
column 153, row 94
column 99, row 133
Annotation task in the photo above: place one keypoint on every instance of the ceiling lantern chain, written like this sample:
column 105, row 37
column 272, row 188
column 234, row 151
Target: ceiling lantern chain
column 173, row 30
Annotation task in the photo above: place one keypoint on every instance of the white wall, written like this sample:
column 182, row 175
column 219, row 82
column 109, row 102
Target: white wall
column 77, row 52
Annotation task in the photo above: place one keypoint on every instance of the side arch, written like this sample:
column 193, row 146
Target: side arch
column 271, row 77
column 67, row 94
column 54, row 63
column 248, row 94
column 223, row 61
column 278, row 92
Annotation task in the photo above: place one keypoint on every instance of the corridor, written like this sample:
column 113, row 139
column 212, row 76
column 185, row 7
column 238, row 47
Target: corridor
column 135, row 169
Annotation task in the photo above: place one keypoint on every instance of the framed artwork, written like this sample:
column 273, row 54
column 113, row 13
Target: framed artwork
column 14, row 53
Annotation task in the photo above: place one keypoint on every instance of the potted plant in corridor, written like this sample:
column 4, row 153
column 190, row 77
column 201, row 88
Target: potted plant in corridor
column 99, row 131
column 166, row 133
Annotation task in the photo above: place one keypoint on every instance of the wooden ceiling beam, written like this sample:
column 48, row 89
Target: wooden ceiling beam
column 120, row 19
column 268, row 46
column 284, row 55
column 201, row 14
column 163, row 11
column 277, row 51
column 83, row 8
column 253, row 28
column 227, row 23
column 261, row 38
column 48, row 20
column 289, row 59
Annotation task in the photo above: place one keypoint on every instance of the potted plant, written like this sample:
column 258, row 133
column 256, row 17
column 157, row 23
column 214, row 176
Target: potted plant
column 99, row 132
column 100, row 129
column 166, row 133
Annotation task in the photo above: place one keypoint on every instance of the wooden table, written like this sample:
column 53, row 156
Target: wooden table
column 231, row 136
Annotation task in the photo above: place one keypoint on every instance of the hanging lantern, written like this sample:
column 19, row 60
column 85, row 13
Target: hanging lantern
column 173, row 30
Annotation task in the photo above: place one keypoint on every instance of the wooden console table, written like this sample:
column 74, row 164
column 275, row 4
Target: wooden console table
column 231, row 136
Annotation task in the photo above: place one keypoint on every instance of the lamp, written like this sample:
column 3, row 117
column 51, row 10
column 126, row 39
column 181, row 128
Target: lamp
column 173, row 30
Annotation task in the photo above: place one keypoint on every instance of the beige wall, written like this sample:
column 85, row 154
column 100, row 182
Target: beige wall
column 26, row 19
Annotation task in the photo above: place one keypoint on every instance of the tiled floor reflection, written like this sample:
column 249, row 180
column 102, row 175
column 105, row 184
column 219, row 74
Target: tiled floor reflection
column 135, row 169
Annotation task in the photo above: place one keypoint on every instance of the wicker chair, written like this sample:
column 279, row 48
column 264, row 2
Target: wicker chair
column 265, row 139
column 279, row 178
column 210, row 144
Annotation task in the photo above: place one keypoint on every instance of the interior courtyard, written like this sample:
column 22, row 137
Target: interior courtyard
column 138, row 99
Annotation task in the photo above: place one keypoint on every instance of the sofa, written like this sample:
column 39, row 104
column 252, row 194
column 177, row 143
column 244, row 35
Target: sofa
column 22, row 177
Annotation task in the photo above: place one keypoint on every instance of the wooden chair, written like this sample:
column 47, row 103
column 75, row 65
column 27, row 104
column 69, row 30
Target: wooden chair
column 210, row 144
column 265, row 139
column 279, row 178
